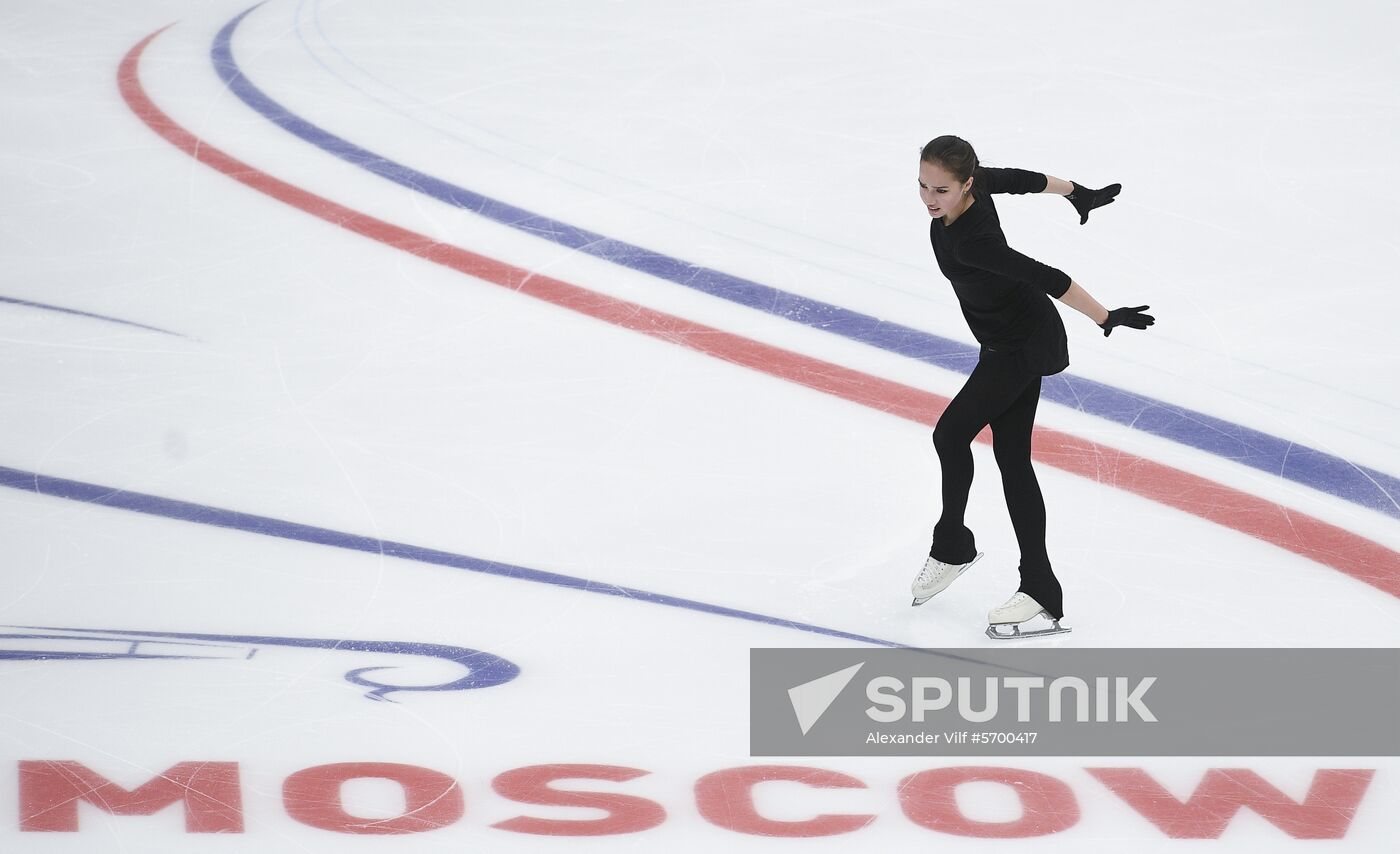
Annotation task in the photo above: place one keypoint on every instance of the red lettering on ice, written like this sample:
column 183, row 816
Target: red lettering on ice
column 531, row 785
column 1325, row 813
column 432, row 799
column 725, row 798
column 49, row 794
column 929, row 799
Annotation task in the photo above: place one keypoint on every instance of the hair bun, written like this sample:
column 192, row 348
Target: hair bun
column 952, row 153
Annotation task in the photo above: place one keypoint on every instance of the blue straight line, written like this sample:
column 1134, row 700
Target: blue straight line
column 184, row 511
column 62, row 310
column 1358, row 484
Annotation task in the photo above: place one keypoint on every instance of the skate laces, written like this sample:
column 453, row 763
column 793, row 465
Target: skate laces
column 932, row 569
column 1018, row 599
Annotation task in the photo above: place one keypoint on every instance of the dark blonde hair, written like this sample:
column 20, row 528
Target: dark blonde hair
column 952, row 153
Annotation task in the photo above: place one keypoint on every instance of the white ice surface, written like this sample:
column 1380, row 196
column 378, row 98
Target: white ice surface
column 332, row 381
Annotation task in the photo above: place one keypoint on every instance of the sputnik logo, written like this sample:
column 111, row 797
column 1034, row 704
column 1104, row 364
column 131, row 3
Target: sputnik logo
column 810, row 700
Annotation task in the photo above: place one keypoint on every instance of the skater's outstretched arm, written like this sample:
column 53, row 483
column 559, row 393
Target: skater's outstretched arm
column 1083, row 198
column 1018, row 181
column 1083, row 302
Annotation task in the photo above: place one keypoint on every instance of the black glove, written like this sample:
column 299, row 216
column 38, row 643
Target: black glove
column 1132, row 317
column 1085, row 199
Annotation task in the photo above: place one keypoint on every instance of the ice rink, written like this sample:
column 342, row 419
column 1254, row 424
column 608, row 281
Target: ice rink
column 413, row 413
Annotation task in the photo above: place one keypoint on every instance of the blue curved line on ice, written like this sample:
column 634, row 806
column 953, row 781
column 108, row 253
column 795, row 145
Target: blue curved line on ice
column 170, row 508
column 62, row 310
column 1278, row 456
column 484, row 670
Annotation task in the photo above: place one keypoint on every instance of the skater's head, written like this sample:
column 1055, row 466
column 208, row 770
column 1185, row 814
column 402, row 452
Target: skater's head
column 945, row 175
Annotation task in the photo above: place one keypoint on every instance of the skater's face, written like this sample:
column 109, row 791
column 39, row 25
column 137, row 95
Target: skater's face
column 941, row 192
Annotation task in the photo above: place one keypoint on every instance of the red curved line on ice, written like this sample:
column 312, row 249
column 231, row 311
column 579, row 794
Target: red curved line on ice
column 1356, row 556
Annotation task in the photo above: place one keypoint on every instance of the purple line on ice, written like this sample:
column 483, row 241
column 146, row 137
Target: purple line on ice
column 1275, row 455
column 170, row 508
column 62, row 310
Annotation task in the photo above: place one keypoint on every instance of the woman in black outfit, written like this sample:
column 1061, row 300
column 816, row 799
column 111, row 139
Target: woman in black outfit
column 1004, row 296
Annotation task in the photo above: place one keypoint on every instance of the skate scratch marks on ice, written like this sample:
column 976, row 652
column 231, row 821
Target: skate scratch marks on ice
column 1316, row 469
column 185, row 511
column 1289, row 529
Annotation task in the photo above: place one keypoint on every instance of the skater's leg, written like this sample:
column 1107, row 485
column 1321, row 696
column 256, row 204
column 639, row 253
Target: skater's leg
column 991, row 388
column 1011, row 443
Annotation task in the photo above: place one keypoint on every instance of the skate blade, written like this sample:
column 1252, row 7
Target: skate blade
column 1016, row 633
column 919, row 601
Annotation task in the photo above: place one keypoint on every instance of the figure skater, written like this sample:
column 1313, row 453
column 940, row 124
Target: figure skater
column 1003, row 296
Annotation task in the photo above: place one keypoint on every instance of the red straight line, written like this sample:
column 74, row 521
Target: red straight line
column 1358, row 557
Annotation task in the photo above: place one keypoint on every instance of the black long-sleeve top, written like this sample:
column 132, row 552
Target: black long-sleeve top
column 1004, row 295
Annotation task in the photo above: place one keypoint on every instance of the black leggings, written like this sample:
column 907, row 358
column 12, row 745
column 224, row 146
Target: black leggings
column 1002, row 393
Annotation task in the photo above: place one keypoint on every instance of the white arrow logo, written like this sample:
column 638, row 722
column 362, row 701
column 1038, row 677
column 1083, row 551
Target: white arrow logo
column 810, row 700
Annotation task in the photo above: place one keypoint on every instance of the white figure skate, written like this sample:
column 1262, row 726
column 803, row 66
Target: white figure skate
column 1015, row 611
column 935, row 577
